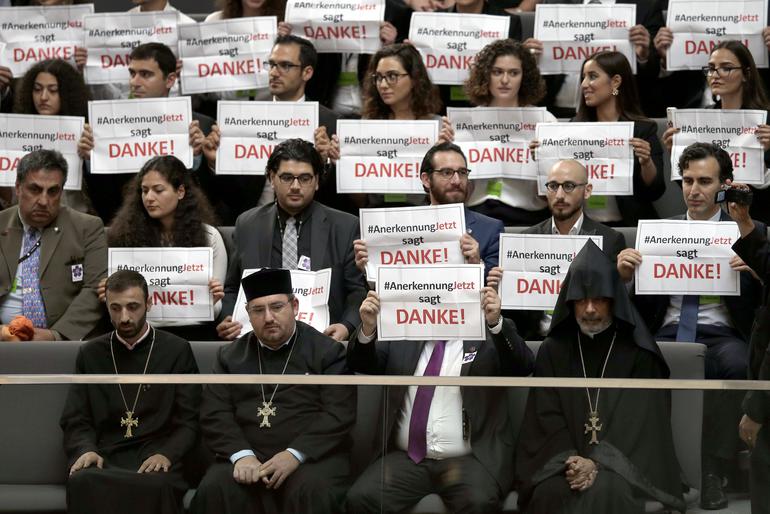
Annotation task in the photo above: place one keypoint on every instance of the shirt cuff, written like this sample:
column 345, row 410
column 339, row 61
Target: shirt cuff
column 297, row 454
column 363, row 338
column 498, row 327
column 241, row 454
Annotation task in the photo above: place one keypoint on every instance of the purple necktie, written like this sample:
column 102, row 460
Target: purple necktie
column 418, row 423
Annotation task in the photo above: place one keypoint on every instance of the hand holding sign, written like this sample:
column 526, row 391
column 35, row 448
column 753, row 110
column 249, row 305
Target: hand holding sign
column 369, row 310
column 6, row 76
column 491, row 305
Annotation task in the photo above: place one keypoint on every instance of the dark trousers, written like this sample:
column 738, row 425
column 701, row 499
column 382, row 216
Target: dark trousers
column 313, row 488
column 760, row 473
column 610, row 494
column 727, row 358
column 394, row 483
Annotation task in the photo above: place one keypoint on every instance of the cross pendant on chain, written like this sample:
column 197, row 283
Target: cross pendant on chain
column 266, row 411
column 593, row 426
column 129, row 421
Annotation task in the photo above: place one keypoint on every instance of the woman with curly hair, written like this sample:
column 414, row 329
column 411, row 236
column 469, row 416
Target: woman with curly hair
column 164, row 208
column 247, row 8
column 505, row 74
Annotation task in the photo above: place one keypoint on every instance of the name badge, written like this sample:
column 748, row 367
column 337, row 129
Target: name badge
column 303, row 263
column 469, row 357
column 77, row 272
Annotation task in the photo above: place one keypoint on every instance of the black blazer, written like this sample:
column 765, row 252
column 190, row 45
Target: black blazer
column 486, row 409
column 331, row 246
column 613, row 243
column 740, row 308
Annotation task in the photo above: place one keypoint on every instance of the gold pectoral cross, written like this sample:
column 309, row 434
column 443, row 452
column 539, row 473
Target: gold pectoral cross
column 129, row 421
column 593, row 426
column 266, row 411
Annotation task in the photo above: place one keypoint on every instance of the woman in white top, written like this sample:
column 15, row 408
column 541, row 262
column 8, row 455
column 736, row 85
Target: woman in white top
column 505, row 74
column 163, row 208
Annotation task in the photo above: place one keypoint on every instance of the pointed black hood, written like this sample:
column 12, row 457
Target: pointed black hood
column 593, row 275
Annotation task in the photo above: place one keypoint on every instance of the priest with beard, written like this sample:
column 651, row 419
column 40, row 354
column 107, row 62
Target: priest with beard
column 126, row 443
column 597, row 451
column 281, row 448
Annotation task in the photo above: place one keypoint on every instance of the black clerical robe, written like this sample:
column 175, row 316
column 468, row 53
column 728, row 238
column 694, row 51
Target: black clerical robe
column 167, row 418
column 313, row 420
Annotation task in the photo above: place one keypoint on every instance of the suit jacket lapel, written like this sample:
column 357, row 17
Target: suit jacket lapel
column 319, row 238
column 10, row 244
column 469, row 347
column 50, row 240
column 264, row 227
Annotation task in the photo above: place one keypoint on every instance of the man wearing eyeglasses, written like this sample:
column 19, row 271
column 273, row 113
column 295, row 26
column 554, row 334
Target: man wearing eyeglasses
column 567, row 190
column 297, row 232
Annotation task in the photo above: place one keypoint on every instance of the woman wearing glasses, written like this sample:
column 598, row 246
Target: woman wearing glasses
column 735, row 83
column 505, row 74
column 163, row 208
column 609, row 95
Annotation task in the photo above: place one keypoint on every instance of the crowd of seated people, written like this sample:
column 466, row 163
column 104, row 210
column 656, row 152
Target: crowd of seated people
column 55, row 246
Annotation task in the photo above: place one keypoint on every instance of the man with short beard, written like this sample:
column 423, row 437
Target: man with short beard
column 567, row 189
column 597, row 451
column 444, row 173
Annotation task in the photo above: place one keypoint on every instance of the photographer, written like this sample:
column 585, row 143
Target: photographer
column 754, row 248
column 721, row 323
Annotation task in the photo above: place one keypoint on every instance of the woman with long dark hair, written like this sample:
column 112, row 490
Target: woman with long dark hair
column 735, row 83
column 164, row 208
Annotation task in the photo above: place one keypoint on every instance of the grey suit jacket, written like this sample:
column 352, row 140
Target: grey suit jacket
column 331, row 246
column 72, row 307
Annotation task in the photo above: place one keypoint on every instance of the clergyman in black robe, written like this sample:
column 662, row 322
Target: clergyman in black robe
column 283, row 449
column 558, row 468
column 137, row 460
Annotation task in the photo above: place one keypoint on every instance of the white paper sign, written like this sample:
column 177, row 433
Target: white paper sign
column 449, row 42
column 24, row 133
column 534, row 267
column 34, row 34
column 351, row 26
column 732, row 129
column 312, row 291
column 686, row 257
column 424, row 235
column 227, row 55
column 700, row 25
column 441, row 301
column 250, row 131
column 603, row 148
column 496, row 139
column 573, row 33
column 110, row 38
column 127, row 133
column 383, row 156
column 178, row 279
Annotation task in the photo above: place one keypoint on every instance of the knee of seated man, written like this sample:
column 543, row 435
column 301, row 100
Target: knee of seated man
column 83, row 478
column 363, row 497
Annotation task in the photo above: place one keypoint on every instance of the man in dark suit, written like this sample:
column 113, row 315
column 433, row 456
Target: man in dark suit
column 455, row 442
column 723, row 324
column 53, row 257
column 567, row 190
column 296, row 232
column 152, row 73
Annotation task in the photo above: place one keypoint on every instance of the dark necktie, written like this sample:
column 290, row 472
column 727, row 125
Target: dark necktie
column 688, row 318
column 418, row 423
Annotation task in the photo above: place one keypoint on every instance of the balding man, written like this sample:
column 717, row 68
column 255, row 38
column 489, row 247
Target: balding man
column 567, row 189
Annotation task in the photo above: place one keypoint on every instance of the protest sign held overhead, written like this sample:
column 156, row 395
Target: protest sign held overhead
column 24, row 133
column 732, row 129
column 110, row 38
column 351, row 26
column 312, row 291
column 38, row 33
column 383, row 156
column 534, row 266
column 440, row 301
column 428, row 234
column 449, row 42
column 700, row 25
column 127, row 133
column 496, row 139
column 603, row 148
column 178, row 280
column 226, row 55
column 250, row 130
column 572, row 33
column 686, row 257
